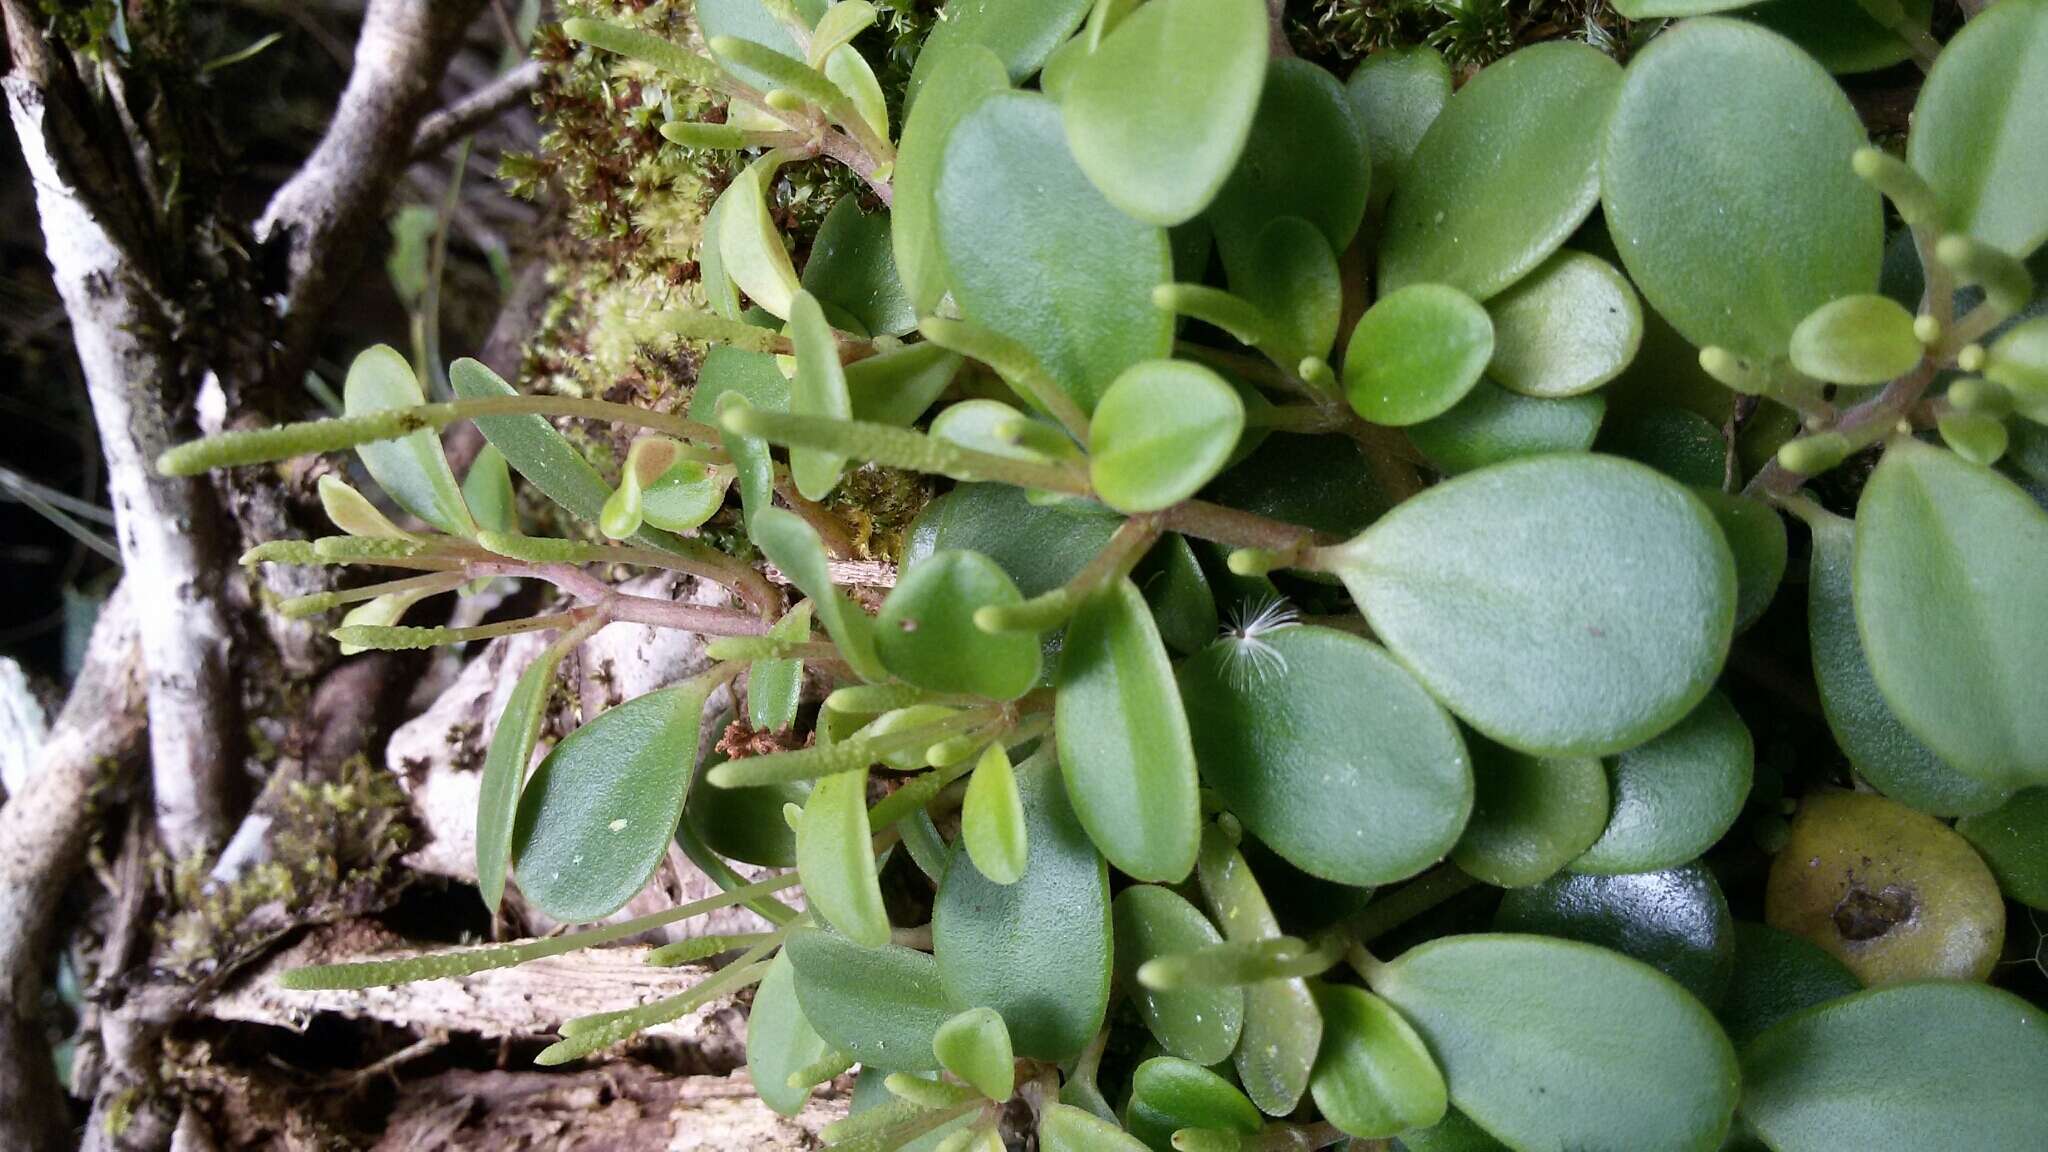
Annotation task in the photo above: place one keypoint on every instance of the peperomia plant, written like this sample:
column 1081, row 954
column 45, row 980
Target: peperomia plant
column 1189, row 329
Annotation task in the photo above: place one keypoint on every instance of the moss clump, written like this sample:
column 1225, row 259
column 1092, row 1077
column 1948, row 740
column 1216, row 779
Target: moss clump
column 1470, row 33
column 333, row 852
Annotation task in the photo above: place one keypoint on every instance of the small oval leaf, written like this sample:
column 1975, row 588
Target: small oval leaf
column 1159, row 433
column 599, row 812
column 1374, row 1076
column 1524, row 1029
column 881, row 1006
column 1329, row 752
column 992, row 818
column 1198, row 1023
column 1504, row 175
column 1416, row 353
column 1532, row 815
column 1158, row 113
column 411, row 469
column 1038, row 950
column 1123, row 739
column 1951, row 569
column 1828, row 1078
column 1563, row 605
column 926, row 634
column 1674, row 796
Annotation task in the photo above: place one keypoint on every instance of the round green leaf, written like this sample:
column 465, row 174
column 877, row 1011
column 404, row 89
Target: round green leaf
column 1568, row 327
column 1168, row 1094
column 1504, row 175
column 1525, row 1029
column 487, row 489
column 1866, row 339
column 1199, row 1022
column 1840, row 33
column 598, row 814
column 1123, row 738
column 836, row 858
column 1288, row 272
column 1562, row 605
column 1950, row 574
column 1756, row 537
column 881, row 1006
column 926, row 636
column 1777, row 974
column 1937, row 1065
column 1532, row 816
column 1726, row 184
column 1329, row 752
column 1415, row 354
column 1374, row 1077
column 1038, row 950
column 2013, row 839
column 1881, row 749
column 1159, row 433
column 1676, row 921
column 1492, row 424
column 1676, row 795
column 1034, row 252
column 852, row 267
column 1307, row 157
column 958, row 84
column 1158, row 113
column 1978, row 126
column 992, row 818
column 1021, row 33
column 684, row 497
column 1282, row 1027
column 1398, row 93
column 779, row 1040
column 411, row 469
column 975, row 1046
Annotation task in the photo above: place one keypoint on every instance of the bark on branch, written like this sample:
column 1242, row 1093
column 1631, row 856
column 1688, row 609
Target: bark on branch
column 326, row 211
column 43, row 834
column 169, row 529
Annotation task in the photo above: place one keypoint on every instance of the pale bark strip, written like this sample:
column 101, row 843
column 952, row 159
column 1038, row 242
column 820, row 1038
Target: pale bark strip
column 169, row 529
column 43, row 834
column 524, row 1002
column 327, row 211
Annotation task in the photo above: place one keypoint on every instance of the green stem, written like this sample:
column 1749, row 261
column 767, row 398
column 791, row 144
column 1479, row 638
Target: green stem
column 1388, row 912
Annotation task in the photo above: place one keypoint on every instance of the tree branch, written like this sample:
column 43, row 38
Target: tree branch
column 169, row 529
column 330, row 206
column 43, row 834
column 447, row 125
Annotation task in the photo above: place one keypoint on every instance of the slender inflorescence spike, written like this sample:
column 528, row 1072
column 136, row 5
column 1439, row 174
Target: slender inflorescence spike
column 832, row 1065
column 704, row 948
column 468, row 961
column 648, row 49
column 283, row 441
column 900, row 448
column 401, row 638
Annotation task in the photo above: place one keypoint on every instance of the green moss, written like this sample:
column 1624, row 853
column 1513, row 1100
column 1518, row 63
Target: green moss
column 1470, row 33
column 333, row 851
